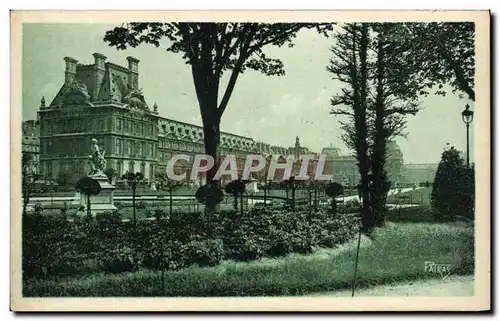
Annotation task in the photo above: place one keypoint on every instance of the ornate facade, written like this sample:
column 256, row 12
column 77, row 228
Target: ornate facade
column 30, row 144
column 103, row 101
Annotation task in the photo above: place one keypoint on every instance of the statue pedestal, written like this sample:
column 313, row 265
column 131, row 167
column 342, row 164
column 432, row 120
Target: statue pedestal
column 103, row 201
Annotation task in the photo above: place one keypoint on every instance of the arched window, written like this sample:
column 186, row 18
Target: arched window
column 151, row 172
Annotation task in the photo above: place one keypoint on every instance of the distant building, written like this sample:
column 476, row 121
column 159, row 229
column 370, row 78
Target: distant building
column 343, row 167
column 30, row 144
column 345, row 170
column 103, row 101
column 419, row 173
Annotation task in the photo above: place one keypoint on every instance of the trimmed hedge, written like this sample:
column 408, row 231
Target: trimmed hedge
column 54, row 246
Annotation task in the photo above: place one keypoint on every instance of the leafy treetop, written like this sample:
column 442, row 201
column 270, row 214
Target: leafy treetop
column 214, row 48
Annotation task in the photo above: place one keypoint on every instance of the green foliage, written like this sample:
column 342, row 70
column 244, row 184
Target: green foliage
column 351, row 206
column 55, row 246
column 445, row 53
column 110, row 173
column 88, row 186
column 209, row 194
column 334, row 189
column 453, row 188
column 204, row 253
column 140, row 205
column 324, row 270
column 235, row 187
column 236, row 45
column 167, row 184
column 133, row 178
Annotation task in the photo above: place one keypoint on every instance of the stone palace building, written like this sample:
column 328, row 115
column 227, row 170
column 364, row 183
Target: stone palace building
column 103, row 101
column 30, row 145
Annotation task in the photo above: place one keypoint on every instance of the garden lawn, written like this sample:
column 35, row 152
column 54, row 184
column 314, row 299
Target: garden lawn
column 394, row 253
column 418, row 196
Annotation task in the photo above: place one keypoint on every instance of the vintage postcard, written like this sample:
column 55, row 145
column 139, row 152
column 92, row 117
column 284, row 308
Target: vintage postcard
column 250, row 161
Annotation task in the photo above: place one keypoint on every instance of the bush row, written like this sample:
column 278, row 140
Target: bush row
column 54, row 245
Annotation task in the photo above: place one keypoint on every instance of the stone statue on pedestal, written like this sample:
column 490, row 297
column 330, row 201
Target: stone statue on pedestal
column 97, row 160
column 104, row 201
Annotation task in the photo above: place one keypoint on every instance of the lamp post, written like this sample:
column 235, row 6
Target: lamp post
column 467, row 116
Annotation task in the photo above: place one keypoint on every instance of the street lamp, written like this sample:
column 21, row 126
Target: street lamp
column 467, row 116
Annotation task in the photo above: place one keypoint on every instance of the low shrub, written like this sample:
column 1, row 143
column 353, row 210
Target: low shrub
column 343, row 227
column 395, row 254
column 117, row 260
column 106, row 243
column 204, row 253
column 350, row 206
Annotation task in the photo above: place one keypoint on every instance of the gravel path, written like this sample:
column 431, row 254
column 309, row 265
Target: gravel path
column 452, row 286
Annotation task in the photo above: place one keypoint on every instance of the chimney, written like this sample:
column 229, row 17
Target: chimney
column 133, row 72
column 100, row 69
column 70, row 72
column 99, row 60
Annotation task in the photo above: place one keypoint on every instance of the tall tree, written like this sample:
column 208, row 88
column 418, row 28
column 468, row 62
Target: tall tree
column 384, row 87
column 410, row 60
column 453, row 188
column 212, row 49
column 349, row 64
column 395, row 91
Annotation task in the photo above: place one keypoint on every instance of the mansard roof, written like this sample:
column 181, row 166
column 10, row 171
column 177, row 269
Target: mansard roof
column 105, row 82
column 86, row 85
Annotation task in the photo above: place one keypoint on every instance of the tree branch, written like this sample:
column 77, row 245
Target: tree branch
column 244, row 54
column 191, row 51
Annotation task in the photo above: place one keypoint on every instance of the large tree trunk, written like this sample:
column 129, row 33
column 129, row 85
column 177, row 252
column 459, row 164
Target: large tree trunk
column 206, row 81
column 362, row 130
column 380, row 182
column 212, row 139
column 207, row 88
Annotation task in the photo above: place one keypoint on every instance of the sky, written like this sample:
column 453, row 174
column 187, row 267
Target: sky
column 271, row 109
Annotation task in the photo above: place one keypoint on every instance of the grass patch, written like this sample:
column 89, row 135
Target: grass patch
column 418, row 196
column 414, row 214
column 395, row 253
